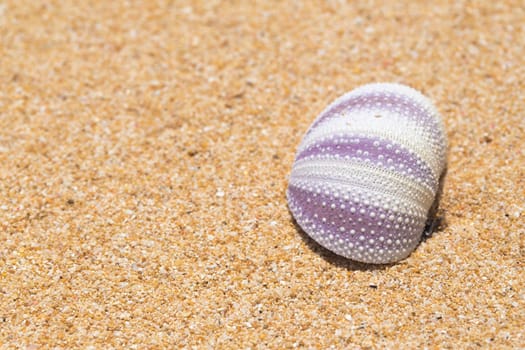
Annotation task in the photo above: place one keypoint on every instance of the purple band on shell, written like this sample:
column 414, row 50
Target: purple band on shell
column 380, row 152
column 330, row 220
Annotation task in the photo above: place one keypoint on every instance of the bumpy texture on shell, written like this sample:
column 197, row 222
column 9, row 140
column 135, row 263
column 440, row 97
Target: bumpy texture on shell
column 367, row 172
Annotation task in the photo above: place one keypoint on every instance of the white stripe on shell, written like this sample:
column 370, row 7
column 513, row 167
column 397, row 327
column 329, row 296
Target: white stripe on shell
column 365, row 175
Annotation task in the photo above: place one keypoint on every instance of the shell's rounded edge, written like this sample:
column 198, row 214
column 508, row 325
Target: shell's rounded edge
column 365, row 247
column 383, row 86
column 374, row 218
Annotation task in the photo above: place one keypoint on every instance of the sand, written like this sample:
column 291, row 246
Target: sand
column 144, row 154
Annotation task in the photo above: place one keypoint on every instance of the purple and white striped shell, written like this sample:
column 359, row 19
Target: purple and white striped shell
column 367, row 173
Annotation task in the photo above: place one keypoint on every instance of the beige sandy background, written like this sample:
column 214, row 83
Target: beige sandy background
column 144, row 154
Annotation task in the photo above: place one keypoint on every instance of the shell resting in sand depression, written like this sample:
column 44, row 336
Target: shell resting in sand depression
column 367, row 173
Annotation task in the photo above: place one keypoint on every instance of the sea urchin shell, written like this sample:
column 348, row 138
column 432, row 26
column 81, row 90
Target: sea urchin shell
column 367, row 173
